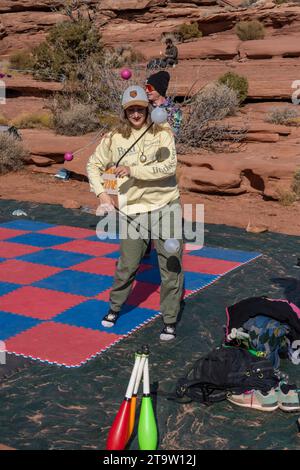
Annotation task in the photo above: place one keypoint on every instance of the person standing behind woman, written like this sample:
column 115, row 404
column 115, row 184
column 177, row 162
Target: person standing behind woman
column 156, row 88
column 147, row 179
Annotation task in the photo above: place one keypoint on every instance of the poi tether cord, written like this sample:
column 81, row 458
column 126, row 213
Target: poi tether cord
column 128, row 150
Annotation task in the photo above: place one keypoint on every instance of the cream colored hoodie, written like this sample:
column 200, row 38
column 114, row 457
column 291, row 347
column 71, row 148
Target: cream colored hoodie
column 152, row 184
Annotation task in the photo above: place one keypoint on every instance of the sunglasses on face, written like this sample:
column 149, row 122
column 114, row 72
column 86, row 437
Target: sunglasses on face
column 149, row 88
column 134, row 109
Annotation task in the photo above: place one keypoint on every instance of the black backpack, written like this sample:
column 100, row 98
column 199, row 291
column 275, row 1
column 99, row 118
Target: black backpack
column 224, row 371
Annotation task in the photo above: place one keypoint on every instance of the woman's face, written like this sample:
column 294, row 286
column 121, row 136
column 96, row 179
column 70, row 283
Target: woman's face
column 137, row 116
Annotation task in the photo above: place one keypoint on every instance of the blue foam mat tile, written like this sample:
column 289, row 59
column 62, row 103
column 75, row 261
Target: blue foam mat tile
column 25, row 224
column 7, row 287
column 12, row 324
column 55, row 258
column 225, row 254
column 39, row 239
column 76, row 282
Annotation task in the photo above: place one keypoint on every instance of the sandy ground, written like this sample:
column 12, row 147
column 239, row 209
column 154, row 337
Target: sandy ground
column 237, row 211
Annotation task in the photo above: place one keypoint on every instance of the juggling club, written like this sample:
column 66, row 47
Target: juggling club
column 147, row 429
column 135, row 392
column 118, row 434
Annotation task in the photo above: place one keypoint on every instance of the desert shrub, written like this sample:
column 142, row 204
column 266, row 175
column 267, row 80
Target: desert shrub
column 87, row 102
column 33, row 121
column 71, row 117
column 22, row 61
column 249, row 30
column 287, row 198
column 12, row 153
column 201, row 126
column 67, row 45
column 188, row 31
column 237, row 83
column 296, row 183
column 106, row 92
column 283, row 116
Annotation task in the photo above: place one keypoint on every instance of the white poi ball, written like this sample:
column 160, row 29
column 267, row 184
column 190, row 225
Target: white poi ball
column 159, row 115
column 172, row 245
column 68, row 156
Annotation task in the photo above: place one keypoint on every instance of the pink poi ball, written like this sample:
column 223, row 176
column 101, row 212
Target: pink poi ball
column 126, row 74
column 68, row 156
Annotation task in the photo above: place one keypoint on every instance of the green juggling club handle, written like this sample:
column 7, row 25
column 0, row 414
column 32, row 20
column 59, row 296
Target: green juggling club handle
column 147, row 429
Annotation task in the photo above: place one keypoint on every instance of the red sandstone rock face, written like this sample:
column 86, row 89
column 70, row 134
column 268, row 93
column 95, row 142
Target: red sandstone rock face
column 270, row 154
column 120, row 5
column 26, row 22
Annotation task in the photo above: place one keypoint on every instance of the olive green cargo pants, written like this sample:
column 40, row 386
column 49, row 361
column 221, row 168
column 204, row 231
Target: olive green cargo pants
column 170, row 264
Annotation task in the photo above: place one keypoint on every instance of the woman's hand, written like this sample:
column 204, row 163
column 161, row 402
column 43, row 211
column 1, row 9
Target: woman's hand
column 122, row 171
column 106, row 204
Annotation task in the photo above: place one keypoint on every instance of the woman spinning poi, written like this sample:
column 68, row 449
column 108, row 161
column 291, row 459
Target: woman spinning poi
column 146, row 180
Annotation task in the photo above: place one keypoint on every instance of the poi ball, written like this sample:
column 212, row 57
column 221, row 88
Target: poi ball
column 172, row 245
column 159, row 115
column 68, row 156
column 2, row 75
column 126, row 74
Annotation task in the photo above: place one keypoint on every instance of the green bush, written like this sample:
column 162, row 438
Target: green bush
column 188, row 31
column 237, row 83
column 67, row 45
column 249, row 30
column 12, row 153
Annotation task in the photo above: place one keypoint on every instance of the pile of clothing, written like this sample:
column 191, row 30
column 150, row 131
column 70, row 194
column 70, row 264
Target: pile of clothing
column 245, row 370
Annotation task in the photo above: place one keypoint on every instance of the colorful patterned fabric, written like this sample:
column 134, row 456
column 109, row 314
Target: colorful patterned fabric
column 268, row 336
column 174, row 115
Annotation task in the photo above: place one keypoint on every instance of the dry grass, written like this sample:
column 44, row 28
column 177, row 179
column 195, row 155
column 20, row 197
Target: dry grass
column 122, row 56
column 285, row 116
column 71, row 117
column 12, row 153
column 287, row 198
column 34, row 121
column 296, row 183
column 22, row 61
column 3, row 120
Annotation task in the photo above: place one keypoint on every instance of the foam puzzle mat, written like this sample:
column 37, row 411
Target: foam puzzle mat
column 54, row 289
